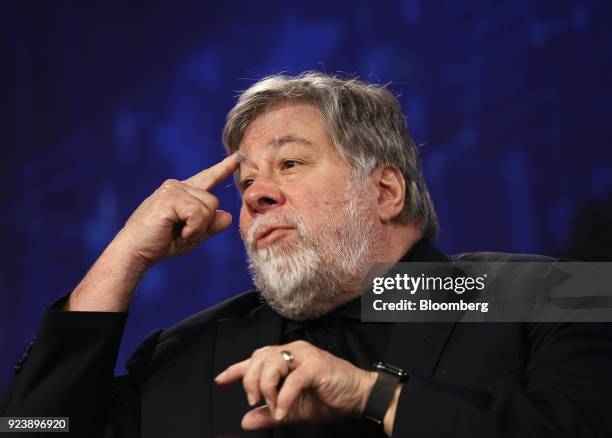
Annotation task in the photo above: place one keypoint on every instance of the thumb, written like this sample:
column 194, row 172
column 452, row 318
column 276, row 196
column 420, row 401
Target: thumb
column 258, row 418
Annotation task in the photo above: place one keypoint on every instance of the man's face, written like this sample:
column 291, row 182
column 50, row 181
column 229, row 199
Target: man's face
column 291, row 166
column 306, row 227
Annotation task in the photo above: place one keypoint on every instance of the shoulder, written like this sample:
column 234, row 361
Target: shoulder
column 508, row 265
column 490, row 256
column 163, row 343
column 235, row 307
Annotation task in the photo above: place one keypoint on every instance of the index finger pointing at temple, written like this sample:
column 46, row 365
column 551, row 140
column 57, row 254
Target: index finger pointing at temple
column 209, row 178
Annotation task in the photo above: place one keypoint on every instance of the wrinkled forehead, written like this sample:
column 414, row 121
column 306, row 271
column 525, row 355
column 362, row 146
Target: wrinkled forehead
column 278, row 143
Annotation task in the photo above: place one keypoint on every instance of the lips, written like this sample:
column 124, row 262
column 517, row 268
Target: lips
column 267, row 233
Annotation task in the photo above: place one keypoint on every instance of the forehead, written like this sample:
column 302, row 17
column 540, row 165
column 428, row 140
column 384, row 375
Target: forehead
column 286, row 120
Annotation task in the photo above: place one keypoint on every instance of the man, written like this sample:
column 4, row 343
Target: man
column 330, row 182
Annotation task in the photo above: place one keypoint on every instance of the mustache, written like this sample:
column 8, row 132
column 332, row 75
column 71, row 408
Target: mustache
column 282, row 220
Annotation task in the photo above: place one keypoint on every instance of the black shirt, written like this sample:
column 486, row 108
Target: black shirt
column 342, row 334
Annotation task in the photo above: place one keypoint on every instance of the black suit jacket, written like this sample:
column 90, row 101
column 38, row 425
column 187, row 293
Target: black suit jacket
column 467, row 379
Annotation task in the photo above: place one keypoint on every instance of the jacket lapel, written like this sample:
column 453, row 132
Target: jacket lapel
column 237, row 338
column 417, row 346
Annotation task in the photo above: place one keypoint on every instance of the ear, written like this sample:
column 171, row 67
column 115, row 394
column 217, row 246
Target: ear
column 391, row 189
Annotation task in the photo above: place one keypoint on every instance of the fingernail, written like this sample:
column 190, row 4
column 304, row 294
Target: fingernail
column 279, row 414
column 270, row 405
column 251, row 399
column 220, row 376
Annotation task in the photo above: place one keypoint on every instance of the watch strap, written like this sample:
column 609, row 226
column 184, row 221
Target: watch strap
column 383, row 391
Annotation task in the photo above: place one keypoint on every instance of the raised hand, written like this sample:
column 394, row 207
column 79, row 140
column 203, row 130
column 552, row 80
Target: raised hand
column 173, row 220
column 178, row 216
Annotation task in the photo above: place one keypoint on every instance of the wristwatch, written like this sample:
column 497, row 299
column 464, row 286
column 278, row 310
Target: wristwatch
column 382, row 393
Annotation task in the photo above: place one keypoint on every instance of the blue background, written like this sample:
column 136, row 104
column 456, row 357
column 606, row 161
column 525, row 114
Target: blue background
column 101, row 102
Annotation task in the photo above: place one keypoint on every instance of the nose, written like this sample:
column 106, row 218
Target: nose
column 263, row 195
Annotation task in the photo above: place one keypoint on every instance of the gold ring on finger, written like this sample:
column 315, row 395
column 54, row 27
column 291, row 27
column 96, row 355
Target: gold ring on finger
column 288, row 358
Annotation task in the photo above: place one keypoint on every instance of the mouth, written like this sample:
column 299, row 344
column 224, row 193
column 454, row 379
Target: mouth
column 268, row 234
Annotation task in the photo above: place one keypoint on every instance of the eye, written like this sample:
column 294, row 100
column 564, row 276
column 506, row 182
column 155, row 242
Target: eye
column 290, row 164
column 245, row 184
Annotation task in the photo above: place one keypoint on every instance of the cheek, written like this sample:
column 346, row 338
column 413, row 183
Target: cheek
column 245, row 220
column 321, row 206
column 312, row 204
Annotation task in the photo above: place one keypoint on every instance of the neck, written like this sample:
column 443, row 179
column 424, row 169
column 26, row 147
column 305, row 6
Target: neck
column 402, row 239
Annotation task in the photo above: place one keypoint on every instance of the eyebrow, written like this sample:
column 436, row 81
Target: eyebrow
column 277, row 143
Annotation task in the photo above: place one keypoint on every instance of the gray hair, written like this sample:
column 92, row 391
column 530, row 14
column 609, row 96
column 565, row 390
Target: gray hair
column 365, row 122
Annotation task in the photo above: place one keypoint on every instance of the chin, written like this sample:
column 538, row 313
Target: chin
column 299, row 309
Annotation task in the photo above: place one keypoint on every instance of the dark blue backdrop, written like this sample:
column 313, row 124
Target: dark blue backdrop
column 100, row 103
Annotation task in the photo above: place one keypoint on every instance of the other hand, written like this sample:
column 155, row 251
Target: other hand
column 317, row 386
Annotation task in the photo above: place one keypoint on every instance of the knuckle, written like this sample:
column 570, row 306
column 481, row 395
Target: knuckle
column 294, row 383
column 170, row 184
column 268, row 388
column 248, row 383
column 314, row 363
column 261, row 351
column 214, row 203
column 195, row 221
column 301, row 377
column 300, row 344
column 248, row 388
column 206, row 209
column 192, row 205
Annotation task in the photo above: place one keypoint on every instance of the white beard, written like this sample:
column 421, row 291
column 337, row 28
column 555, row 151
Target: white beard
column 309, row 276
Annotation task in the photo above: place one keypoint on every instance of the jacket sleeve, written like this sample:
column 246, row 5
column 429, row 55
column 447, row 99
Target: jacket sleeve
column 68, row 372
column 565, row 391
